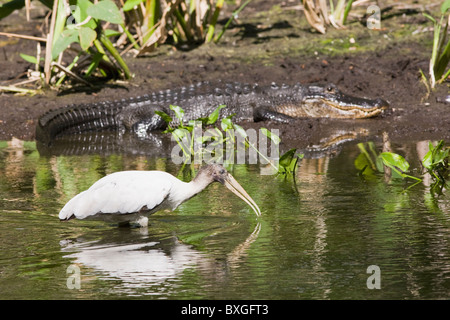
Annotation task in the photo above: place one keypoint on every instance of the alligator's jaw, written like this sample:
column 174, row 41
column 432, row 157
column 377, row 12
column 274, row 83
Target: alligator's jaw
column 320, row 107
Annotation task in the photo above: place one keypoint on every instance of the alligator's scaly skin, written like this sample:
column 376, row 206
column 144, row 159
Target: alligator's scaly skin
column 246, row 102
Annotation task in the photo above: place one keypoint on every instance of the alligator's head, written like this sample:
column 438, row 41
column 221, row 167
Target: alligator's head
column 329, row 102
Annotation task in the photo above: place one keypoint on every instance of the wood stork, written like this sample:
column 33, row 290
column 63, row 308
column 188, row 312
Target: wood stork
column 128, row 196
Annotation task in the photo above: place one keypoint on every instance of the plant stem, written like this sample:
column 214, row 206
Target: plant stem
column 48, row 48
column 75, row 60
column 212, row 25
column 19, row 90
column 348, row 7
column 110, row 47
column 183, row 25
column 233, row 16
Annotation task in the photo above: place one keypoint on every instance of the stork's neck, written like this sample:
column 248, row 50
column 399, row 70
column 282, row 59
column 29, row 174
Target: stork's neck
column 199, row 183
column 186, row 190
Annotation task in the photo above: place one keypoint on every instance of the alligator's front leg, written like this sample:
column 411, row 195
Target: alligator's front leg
column 263, row 113
column 144, row 126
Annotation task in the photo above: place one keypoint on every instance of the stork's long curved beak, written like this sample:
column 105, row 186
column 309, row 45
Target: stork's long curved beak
column 236, row 188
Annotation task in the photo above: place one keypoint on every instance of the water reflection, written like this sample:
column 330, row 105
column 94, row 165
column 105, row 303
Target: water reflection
column 140, row 259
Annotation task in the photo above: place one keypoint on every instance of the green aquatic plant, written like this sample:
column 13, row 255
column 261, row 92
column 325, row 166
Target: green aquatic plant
column 206, row 138
column 398, row 164
column 440, row 55
column 288, row 162
column 370, row 162
column 437, row 164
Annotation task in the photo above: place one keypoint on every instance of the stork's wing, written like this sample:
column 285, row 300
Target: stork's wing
column 120, row 193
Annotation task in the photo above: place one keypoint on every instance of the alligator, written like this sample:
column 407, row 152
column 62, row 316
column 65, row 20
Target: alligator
column 281, row 103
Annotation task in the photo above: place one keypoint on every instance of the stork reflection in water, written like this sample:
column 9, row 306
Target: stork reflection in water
column 129, row 196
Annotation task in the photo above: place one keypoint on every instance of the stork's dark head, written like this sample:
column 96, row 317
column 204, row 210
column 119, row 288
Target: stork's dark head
column 213, row 173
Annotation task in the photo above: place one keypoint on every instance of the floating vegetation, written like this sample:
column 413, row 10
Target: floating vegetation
column 435, row 162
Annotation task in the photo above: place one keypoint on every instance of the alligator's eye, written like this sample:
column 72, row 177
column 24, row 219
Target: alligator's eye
column 330, row 89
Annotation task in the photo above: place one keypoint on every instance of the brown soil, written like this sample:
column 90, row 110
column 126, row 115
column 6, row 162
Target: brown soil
column 271, row 47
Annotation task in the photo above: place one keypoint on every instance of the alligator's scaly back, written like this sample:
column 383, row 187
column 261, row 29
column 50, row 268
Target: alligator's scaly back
column 197, row 100
column 246, row 102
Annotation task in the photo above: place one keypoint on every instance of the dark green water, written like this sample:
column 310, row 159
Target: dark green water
column 317, row 236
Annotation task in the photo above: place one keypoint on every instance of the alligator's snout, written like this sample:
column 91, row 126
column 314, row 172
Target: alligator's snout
column 381, row 103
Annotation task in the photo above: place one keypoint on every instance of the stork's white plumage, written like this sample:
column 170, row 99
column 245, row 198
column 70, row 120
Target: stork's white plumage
column 132, row 195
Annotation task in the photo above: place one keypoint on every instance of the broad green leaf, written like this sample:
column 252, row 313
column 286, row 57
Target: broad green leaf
column 427, row 160
column 226, row 124
column 130, row 4
column 67, row 37
column 435, row 155
column 164, row 116
column 87, row 37
column 395, row 160
column 445, row 6
column 80, row 13
column 28, row 58
column 288, row 162
column 179, row 112
column 179, row 134
column 105, row 10
column 286, row 158
column 276, row 139
column 215, row 115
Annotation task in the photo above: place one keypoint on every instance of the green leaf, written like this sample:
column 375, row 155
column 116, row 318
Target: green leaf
column 286, row 158
column 397, row 163
column 130, row 4
column 67, row 37
column 87, row 37
column 427, row 160
column 168, row 119
column 179, row 112
column 105, row 10
column 435, row 156
column 80, row 14
column 445, row 6
column 112, row 33
column 60, row 22
column 429, row 17
column 212, row 118
column 394, row 160
column 226, row 124
column 179, row 134
column 275, row 139
column 28, row 58
column 240, row 130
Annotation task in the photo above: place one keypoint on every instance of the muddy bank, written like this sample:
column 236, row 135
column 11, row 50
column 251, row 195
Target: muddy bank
column 272, row 47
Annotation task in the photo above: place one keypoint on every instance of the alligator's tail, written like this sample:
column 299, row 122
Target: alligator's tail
column 77, row 119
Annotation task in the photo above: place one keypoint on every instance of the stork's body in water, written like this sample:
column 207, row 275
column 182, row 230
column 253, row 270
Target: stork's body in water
column 129, row 196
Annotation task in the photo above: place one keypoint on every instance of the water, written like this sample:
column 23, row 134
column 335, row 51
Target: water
column 317, row 236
